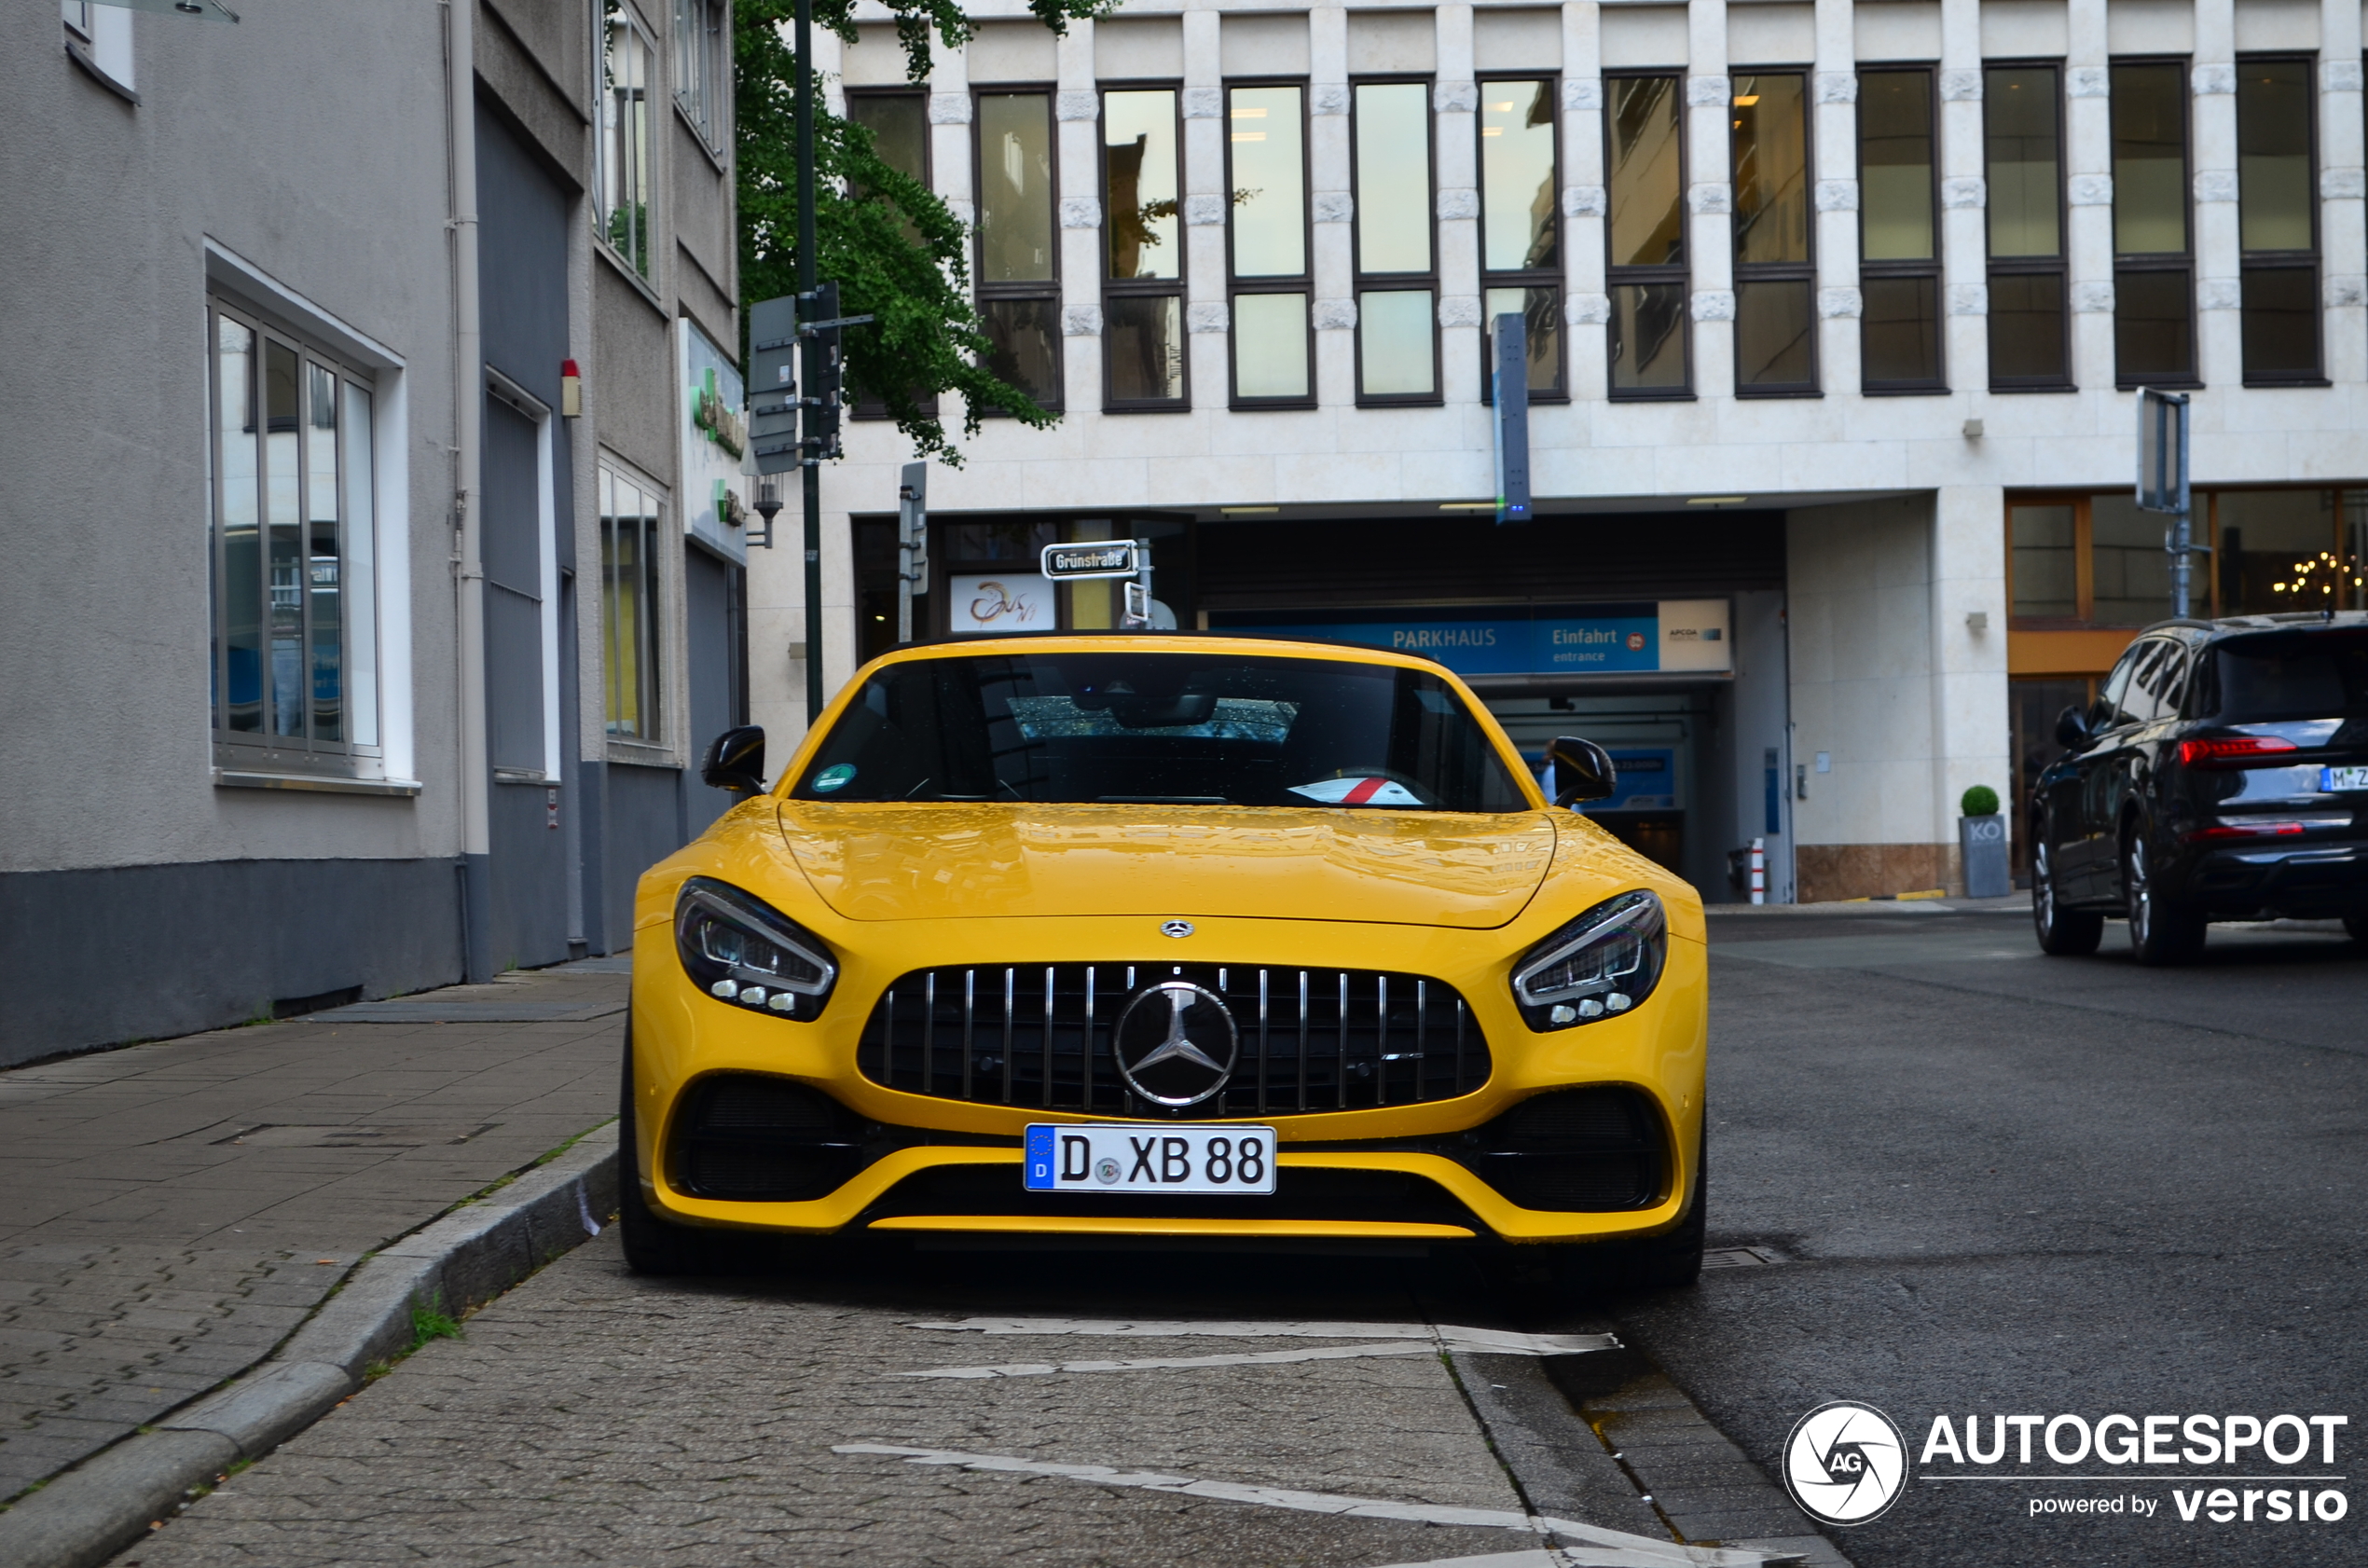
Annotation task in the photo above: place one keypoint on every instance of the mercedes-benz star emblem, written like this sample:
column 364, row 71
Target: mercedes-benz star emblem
column 1176, row 1043
column 1175, row 928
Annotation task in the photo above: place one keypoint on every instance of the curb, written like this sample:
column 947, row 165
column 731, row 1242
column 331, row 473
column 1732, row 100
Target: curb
column 87, row 1515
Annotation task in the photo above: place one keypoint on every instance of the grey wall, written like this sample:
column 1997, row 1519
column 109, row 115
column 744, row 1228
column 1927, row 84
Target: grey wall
column 98, row 957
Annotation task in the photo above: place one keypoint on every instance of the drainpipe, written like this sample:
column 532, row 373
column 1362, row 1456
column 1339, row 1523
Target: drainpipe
column 468, row 399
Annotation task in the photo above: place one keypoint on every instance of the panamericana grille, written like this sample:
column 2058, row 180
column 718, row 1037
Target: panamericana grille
column 1040, row 1036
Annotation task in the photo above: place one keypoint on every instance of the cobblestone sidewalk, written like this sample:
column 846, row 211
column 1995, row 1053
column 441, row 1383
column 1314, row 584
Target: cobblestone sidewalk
column 173, row 1210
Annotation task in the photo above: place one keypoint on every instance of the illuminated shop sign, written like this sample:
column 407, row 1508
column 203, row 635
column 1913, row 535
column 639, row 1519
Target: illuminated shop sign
column 1659, row 637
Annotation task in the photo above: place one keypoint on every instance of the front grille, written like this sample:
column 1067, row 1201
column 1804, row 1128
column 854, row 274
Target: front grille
column 1040, row 1036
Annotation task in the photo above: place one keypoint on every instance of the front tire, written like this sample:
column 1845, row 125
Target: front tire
column 2162, row 931
column 2065, row 933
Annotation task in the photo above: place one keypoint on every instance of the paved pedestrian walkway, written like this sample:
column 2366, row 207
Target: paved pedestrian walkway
column 173, row 1210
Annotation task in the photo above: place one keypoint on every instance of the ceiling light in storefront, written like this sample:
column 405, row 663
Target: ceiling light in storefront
column 1468, row 506
column 1718, row 501
column 1246, row 511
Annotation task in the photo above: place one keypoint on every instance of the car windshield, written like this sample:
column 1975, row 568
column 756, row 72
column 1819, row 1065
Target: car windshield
column 1152, row 729
column 2293, row 675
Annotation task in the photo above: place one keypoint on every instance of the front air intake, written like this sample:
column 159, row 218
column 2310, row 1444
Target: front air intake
column 752, row 1138
column 1576, row 1151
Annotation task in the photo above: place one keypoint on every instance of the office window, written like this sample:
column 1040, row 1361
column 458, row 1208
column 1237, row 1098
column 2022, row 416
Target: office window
column 898, row 122
column 1019, row 275
column 2022, row 123
column 2278, row 220
column 1521, row 228
column 1397, row 260
column 294, row 629
column 100, row 37
column 703, row 69
column 1143, row 251
column 1645, row 156
column 630, row 559
column 622, row 149
column 2154, row 256
column 1899, row 265
column 1267, row 246
column 1775, row 282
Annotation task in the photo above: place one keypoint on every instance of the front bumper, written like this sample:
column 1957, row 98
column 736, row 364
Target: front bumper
column 938, row 1164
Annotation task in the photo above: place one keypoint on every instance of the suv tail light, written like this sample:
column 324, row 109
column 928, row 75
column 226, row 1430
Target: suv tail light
column 2236, row 751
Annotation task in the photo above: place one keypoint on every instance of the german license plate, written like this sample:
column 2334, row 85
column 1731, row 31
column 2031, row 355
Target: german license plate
column 2333, row 778
column 1105, row 1157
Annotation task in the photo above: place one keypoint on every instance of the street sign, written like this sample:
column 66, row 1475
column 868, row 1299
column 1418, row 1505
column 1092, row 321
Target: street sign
column 2162, row 484
column 1115, row 558
column 1509, row 383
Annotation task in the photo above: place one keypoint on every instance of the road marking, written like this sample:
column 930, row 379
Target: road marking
column 1605, row 1548
column 1446, row 1336
column 1180, row 1363
column 1539, row 1556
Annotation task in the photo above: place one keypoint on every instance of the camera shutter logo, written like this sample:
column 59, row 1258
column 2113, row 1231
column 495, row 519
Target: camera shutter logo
column 1845, row 1463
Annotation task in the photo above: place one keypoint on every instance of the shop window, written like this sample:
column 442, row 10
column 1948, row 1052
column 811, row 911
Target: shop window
column 295, row 654
column 1899, row 267
column 1267, row 246
column 1019, row 274
column 1520, row 229
column 2087, row 560
column 630, row 537
column 703, row 69
column 2277, row 220
column 898, row 122
column 1143, row 251
column 2022, row 125
column 1645, row 162
column 621, row 144
column 1775, row 280
column 2154, row 256
column 1397, row 257
column 2291, row 550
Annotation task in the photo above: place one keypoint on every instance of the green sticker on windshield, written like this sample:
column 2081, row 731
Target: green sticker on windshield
column 838, row 775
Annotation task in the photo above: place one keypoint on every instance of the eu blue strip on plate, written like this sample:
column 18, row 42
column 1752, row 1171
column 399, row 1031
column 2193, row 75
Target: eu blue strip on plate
column 1040, row 1159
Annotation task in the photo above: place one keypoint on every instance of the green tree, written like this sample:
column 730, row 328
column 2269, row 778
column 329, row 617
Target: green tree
column 896, row 252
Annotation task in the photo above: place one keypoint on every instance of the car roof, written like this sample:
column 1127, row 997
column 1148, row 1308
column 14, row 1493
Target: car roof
column 1161, row 642
column 2236, row 626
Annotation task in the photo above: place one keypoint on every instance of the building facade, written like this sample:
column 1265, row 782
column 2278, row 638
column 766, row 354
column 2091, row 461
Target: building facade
column 1834, row 316
column 365, row 508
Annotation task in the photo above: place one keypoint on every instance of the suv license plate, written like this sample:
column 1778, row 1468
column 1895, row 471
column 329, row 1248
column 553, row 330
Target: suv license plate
column 2331, row 779
column 1106, row 1157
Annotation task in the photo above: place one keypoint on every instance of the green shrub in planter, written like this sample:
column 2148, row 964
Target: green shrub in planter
column 1980, row 801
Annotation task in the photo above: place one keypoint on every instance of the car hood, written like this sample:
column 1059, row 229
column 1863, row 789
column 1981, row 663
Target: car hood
column 953, row 861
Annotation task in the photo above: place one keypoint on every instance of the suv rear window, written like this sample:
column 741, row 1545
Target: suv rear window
column 2293, row 675
column 1177, row 729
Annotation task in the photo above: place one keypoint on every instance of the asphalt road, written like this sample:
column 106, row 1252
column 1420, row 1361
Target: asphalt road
column 1987, row 1182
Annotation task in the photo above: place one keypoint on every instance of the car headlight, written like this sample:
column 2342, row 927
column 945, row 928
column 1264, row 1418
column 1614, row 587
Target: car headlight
column 1603, row 963
column 737, row 948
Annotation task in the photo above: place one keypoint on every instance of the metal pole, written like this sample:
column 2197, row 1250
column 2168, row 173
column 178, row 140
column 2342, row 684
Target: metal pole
column 2183, row 525
column 468, row 388
column 810, row 359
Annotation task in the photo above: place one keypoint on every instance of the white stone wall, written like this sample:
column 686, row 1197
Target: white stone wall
column 1926, row 695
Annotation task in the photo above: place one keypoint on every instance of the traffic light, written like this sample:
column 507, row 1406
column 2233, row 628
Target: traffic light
column 822, row 393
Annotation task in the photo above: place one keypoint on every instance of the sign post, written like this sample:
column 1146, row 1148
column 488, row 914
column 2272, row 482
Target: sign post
column 2162, row 484
column 1508, row 380
column 912, row 544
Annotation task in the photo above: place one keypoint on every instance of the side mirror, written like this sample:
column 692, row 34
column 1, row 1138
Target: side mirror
column 737, row 761
column 1583, row 770
column 2072, row 728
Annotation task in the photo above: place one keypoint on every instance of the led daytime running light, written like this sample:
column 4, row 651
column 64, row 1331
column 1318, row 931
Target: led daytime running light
column 1600, row 965
column 739, row 950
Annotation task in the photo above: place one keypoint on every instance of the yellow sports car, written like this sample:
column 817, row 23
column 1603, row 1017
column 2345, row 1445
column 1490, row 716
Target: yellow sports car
column 1154, row 935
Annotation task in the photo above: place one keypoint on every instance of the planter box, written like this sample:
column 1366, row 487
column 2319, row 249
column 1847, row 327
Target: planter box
column 1981, row 842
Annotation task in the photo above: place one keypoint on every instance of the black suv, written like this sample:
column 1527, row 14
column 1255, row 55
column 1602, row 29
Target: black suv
column 2221, row 774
